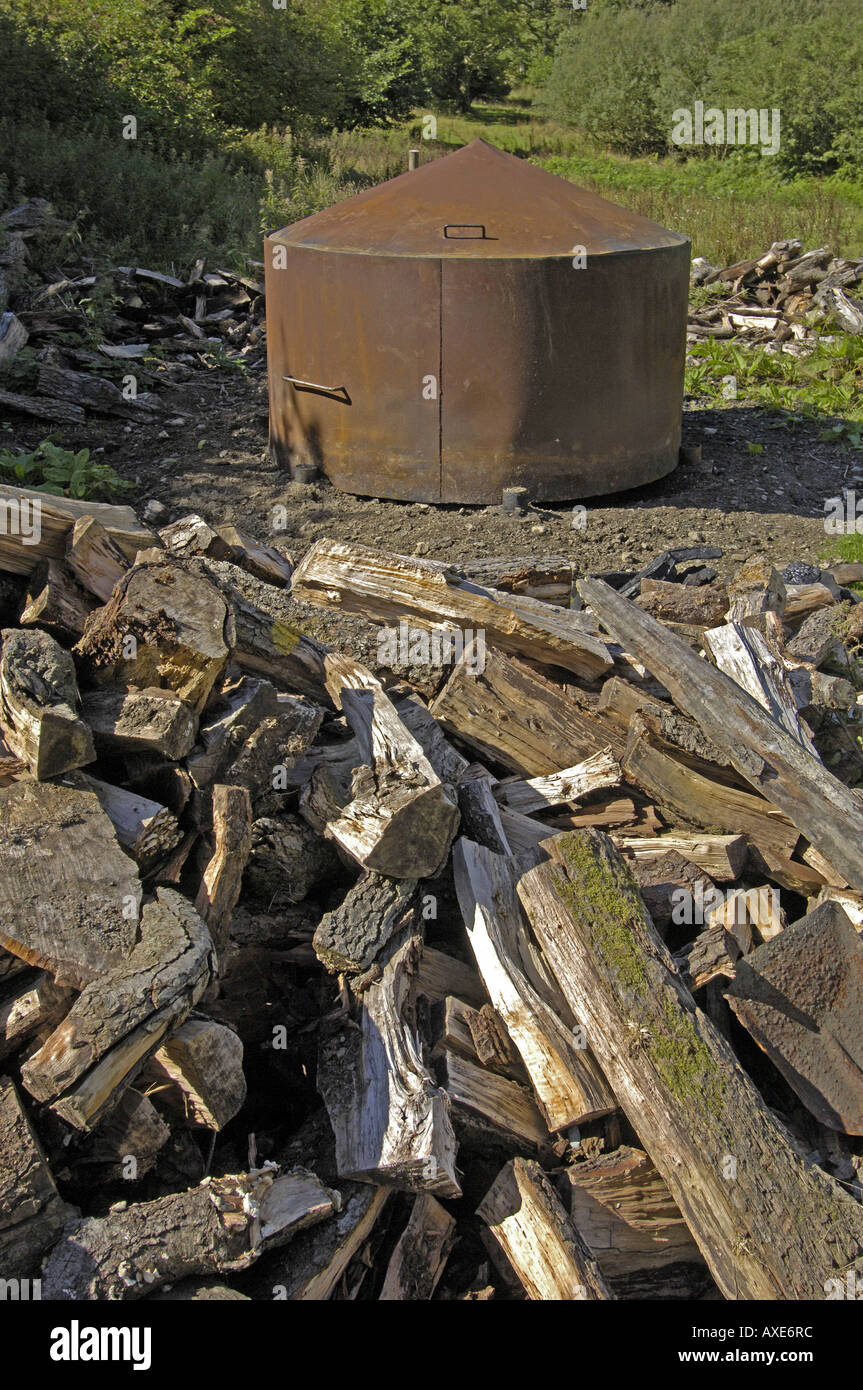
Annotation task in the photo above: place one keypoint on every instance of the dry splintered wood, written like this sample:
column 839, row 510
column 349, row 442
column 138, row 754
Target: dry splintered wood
column 313, row 1264
column 39, row 702
column 143, row 827
column 421, row 1253
column 568, row 1084
column 123, row 1016
column 477, row 1034
column 391, row 1121
column 527, row 1219
column 398, row 817
column 138, row 720
column 34, row 1004
column 491, row 1111
column 162, row 626
column 94, row 559
column 55, row 602
column 32, row 1214
column 749, row 658
column 514, row 716
column 223, row 877
column 199, row 1073
column 441, row 975
column 21, row 549
column 721, row 856
column 220, row 1227
column 771, row 760
column 382, row 586
column 626, row 1216
column 573, row 783
column 726, row 1162
column 687, row 796
column 69, row 897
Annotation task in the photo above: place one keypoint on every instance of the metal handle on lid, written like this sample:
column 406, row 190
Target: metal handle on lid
column 316, row 386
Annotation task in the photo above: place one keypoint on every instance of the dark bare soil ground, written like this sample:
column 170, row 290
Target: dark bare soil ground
column 215, row 461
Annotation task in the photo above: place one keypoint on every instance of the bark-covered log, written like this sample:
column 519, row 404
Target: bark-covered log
column 39, row 703
column 721, row 856
column 32, row 1214
column 21, row 549
column 527, row 1219
column 313, row 1264
column 375, row 909
column 222, row 1226
column 145, row 828
column 30, row 1005
column 727, row 1164
column 287, row 859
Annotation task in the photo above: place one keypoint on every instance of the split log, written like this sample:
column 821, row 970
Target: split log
column 374, row 911
column 94, row 559
column 316, row 1259
column 704, row 606
column 69, row 897
column 627, row 1218
column 55, row 602
column 223, row 877
column 725, row 1161
column 756, row 589
column 139, row 719
column 421, row 1253
column 274, row 647
column 192, row 535
column 441, row 975
column 145, row 828
column 39, row 701
column 480, row 814
column 262, row 561
column 163, row 626
column 672, row 888
column 515, row 717
column 720, row 856
column 546, row 577
column 540, row 793
column 414, row 713
column 57, row 516
column 568, row 1084
column 95, row 393
column 133, row 1130
column 287, row 859
column 750, row 914
column 801, row 997
column 391, row 1121
column 773, row 762
column 684, row 795
column 121, row 1018
column 220, row 1227
column 381, row 586
column 199, row 1073
column 477, row 1034
column 32, row 1214
column 33, row 1005
column 750, row 659
column 398, row 818
column 804, row 599
column 490, row 1113
column 527, row 1219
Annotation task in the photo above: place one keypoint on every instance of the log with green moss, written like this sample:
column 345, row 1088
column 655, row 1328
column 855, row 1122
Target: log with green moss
column 769, row 1224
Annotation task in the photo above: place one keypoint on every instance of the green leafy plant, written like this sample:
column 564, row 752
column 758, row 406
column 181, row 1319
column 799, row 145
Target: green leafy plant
column 61, row 472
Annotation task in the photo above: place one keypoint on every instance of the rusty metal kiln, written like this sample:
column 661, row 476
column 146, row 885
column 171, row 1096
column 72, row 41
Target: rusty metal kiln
column 439, row 337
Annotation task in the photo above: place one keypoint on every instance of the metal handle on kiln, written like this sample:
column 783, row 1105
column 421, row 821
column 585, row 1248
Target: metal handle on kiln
column 472, row 225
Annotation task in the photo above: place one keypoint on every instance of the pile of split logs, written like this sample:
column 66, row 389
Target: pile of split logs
column 777, row 299
column 310, row 988
column 161, row 329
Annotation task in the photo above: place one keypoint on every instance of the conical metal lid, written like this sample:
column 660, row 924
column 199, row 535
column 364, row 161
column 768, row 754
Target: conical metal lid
column 478, row 202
